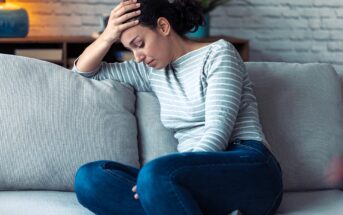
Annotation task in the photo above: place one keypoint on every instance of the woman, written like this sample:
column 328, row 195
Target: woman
column 206, row 97
column 334, row 171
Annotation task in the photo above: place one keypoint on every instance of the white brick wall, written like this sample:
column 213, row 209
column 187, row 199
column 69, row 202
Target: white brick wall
column 279, row 30
column 65, row 17
column 284, row 30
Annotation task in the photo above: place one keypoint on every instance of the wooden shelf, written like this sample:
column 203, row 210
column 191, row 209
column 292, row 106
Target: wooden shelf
column 242, row 45
column 73, row 46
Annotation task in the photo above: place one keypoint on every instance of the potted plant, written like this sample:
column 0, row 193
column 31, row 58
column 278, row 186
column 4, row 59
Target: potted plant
column 208, row 6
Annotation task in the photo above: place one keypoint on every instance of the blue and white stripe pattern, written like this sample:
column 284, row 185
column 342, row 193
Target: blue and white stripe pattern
column 206, row 96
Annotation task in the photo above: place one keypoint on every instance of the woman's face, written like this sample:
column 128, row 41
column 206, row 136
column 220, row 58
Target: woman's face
column 148, row 46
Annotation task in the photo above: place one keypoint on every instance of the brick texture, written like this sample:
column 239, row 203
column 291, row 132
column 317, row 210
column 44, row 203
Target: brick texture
column 283, row 30
column 278, row 30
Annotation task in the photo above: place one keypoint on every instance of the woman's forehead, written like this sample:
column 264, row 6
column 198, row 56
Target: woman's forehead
column 129, row 34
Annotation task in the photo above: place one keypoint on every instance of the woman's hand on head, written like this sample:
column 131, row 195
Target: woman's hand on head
column 118, row 20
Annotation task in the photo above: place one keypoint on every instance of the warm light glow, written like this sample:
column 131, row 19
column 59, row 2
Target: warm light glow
column 8, row 6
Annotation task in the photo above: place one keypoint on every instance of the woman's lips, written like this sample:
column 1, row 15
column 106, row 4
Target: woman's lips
column 151, row 63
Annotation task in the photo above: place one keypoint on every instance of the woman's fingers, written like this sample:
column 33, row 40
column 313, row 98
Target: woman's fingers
column 119, row 19
column 127, row 25
column 134, row 188
column 124, row 9
column 123, row 3
column 136, row 196
column 127, row 16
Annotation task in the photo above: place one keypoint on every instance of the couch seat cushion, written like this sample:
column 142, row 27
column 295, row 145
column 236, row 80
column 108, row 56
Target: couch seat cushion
column 326, row 202
column 40, row 202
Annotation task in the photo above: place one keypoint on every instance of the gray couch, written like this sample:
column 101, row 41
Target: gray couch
column 52, row 121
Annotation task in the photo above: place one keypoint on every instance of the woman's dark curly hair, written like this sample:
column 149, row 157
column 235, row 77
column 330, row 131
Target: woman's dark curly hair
column 183, row 15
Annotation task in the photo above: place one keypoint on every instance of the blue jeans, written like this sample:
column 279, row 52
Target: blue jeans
column 245, row 177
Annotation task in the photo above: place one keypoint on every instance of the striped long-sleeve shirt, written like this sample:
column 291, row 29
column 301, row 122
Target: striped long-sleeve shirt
column 205, row 96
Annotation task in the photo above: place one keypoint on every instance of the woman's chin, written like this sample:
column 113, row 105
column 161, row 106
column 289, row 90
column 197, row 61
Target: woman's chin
column 157, row 66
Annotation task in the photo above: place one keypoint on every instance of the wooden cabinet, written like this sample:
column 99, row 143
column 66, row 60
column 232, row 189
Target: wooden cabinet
column 70, row 47
column 242, row 45
column 64, row 50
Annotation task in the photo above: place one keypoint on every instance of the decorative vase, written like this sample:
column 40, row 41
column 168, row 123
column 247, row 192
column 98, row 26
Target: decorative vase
column 203, row 30
column 14, row 22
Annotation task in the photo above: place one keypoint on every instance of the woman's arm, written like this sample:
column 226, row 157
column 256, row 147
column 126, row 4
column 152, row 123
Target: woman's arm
column 91, row 58
column 225, row 76
column 89, row 61
column 128, row 72
column 90, row 64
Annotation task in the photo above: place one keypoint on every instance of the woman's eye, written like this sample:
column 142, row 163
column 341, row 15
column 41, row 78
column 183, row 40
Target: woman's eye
column 140, row 45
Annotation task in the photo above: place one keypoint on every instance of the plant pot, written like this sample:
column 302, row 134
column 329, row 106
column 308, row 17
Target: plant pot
column 203, row 30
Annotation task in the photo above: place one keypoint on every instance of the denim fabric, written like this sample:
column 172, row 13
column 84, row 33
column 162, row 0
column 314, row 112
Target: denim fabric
column 245, row 177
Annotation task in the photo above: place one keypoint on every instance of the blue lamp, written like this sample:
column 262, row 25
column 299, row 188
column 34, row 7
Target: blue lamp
column 14, row 21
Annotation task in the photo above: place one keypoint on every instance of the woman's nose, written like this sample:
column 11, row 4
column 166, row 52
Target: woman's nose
column 139, row 57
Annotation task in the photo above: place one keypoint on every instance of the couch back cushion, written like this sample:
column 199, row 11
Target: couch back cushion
column 155, row 140
column 52, row 121
column 341, row 79
column 301, row 113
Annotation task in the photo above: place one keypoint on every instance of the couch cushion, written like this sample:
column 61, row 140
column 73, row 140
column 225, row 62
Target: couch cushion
column 55, row 203
column 341, row 79
column 40, row 202
column 326, row 202
column 301, row 112
column 52, row 121
column 154, row 139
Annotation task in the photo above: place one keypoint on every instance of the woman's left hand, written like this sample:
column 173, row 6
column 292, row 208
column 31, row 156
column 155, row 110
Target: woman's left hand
column 334, row 172
column 134, row 189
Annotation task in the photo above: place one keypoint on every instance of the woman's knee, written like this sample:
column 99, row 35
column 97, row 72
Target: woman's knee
column 153, row 177
column 148, row 173
column 159, row 170
column 86, row 179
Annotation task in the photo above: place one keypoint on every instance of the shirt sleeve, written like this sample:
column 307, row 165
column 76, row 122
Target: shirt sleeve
column 225, row 74
column 128, row 72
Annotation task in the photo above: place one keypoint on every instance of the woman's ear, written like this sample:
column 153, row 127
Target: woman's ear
column 163, row 26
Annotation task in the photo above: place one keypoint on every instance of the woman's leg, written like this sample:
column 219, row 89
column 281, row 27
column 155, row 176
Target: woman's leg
column 246, row 177
column 104, row 187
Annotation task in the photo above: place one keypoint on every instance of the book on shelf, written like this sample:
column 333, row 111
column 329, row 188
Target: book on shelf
column 42, row 54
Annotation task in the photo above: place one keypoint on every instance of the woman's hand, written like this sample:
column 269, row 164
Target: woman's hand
column 117, row 21
column 134, row 189
column 334, row 172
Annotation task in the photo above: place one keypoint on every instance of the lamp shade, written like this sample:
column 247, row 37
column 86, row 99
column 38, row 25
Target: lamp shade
column 14, row 21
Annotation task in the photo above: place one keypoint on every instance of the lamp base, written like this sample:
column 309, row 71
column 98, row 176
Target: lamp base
column 14, row 23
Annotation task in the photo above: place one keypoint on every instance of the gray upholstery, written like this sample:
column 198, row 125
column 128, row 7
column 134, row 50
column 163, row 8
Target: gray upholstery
column 322, row 202
column 40, row 203
column 326, row 202
column 154, row 139
column 301, row 114
column 42, row 145
column 52, row 121
column 301, row 111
